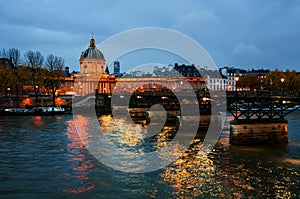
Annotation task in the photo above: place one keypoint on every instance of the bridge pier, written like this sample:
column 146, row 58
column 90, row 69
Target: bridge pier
column 258, row 131
column 259, row 117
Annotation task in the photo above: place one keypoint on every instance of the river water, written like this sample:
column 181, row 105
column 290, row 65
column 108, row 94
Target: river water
column 43, row 157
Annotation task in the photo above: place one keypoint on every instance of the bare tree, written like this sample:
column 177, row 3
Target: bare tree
column 55, row 74
column 34, row 61
column 16, row 77
column 15, row 56
column 3, row 53
column 21, row 75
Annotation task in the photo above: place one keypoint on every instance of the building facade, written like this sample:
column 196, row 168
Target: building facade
column 233, row 75
column 92, row 67
column 94, row 78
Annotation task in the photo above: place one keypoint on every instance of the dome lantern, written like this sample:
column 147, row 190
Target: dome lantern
column 92, row 52
column 92, row 43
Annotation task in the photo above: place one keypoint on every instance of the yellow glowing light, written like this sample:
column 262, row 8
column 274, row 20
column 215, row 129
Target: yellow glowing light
column 206, row 99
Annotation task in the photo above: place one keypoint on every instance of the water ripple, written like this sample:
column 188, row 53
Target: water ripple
column 43, row 157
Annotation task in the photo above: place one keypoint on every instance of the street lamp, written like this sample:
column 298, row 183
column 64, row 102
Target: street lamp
column 282, row 81
column 236, row 80
column 236, row 97
column 271, row 87
column 282, row 93
column 8, row 93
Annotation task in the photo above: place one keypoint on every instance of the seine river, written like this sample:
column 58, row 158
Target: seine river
column 43, row 157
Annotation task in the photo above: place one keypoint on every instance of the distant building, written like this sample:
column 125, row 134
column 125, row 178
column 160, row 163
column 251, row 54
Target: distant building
column 116, row 67
column 162, row 71
column 137, row 73
column 186, row 70
column 216, row 81
column 67, row 72
column 232, row 73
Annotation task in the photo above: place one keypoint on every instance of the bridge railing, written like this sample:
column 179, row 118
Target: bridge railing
column 261, row 104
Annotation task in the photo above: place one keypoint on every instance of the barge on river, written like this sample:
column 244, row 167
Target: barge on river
column 33, row 111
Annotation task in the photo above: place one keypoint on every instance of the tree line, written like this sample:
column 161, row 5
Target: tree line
column 275, row 81
column 33, row 70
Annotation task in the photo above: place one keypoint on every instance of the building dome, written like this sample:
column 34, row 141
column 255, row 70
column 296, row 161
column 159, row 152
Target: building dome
column 92, row 52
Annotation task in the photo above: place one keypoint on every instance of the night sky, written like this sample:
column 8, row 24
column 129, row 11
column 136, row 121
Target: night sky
column 242, row 33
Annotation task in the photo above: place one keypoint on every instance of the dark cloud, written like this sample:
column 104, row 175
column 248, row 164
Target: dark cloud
column 244, row 33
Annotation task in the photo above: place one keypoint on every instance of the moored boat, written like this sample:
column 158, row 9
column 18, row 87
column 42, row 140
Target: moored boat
column 34, row 111
column 17, row 111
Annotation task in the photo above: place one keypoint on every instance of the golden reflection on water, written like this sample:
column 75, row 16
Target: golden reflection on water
column 122, row 131
column 82, row 127
column 292, row 161
column 79, row 164
column 195, row 173
column 132, row 134
column 189, row 173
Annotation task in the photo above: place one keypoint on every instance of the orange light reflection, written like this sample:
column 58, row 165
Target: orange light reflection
column 80, row 165
column 38, row 121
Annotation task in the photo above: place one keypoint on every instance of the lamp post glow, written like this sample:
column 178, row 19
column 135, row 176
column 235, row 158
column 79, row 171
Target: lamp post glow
column 282, row 81
column 236, row 80
column 282, row 93
column 236, row 95
column 8, row 94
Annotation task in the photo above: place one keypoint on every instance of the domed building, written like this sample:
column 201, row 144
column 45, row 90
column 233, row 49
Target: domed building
column 93, row 76
column 92, row 60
